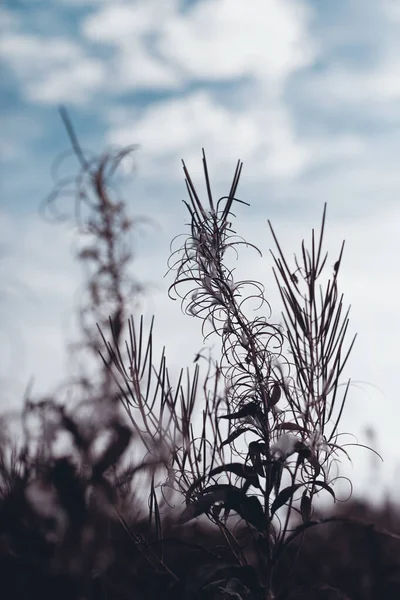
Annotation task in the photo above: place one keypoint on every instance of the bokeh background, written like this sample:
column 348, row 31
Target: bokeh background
column 306, row 93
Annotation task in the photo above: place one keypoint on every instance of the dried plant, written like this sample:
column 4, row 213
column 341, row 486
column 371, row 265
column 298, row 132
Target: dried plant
column 277, row 388
column 246, row 440
column 104, row 247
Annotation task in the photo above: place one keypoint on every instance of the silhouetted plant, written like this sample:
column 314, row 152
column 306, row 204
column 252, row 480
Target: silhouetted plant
column 105, row 246
column 256, row 434
column 284, row 406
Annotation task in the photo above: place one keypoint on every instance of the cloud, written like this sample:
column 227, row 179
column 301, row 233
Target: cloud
column 366, row 90
column 211, row 40
column 124, row 27
column 134, row 68
column 176, row 128
column 148, row 45
column 121, row 22
column 52, row 69
column 225, row 39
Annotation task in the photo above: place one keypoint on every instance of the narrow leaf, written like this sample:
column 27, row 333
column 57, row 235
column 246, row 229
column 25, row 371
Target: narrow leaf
column 288, row 492
column 249, row 410
column 312, row 459
column 274, row 473
column 284, row 496
column 239, row 469
column 326, row 487
column 234, row 435
column 275, row 394
column 254, row 453
column 290, row 427
column 233, row 498
column 252, row 511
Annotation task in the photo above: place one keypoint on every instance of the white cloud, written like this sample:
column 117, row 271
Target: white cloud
column 134, row 68
column 179, row 128
column 125, row 27
column 54, row 69
column 178, row 125
column 212, row 40
column 223, row 39
column 72, row 83
column 20, row 48
column 367, row 89
column 151, row 45
column 120, row 22
column 209, row 41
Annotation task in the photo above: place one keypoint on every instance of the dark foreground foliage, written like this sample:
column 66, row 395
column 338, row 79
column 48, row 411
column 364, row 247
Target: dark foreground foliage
column 101, row 555
column 230, row 458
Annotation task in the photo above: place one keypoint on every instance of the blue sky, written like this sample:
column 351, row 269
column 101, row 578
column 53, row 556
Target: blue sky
column 306, row 93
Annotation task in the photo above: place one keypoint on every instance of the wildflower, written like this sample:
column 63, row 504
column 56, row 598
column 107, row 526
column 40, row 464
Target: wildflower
column 285, row 446
column 318, row 442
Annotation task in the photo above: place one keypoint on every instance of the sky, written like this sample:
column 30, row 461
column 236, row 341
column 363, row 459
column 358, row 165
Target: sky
column 306, row 93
